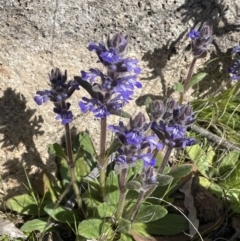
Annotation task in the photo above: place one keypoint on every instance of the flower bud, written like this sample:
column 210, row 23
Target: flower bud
column 157, row 110
column 118, row 42
column 201, row 39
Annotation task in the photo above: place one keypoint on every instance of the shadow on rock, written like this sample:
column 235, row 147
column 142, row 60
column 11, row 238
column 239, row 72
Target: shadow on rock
column 18, row 127
column 216, row 74
column 211, row 11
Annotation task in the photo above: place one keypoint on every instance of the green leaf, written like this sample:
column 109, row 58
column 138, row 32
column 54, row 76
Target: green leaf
column 164, row 180
column 132, row 185
column 112, row 188
column 124, row 225
column 230, row 185
column 81, row 168
column 87, row 144
column 113, row 147
column 113, row 197
column 125, row 237
column 93, row 228
column 228, row 162
column 181, row 171
column 51, row 187
column 61, row 214
column 106, row 210
column 135, row 170
column 148, row 104
column 211, row 186
column 25, row 204
column 112, row 180
column 149, row 213
column 169, row 225
column 64, row 172
column 121, row 113
column 196, row 79
column 194, row 152
column 178, row 87
column 92, row 196
column 87, row 86
column 159, row 158
column 203, row 160
column 34, row 225
column 56, row 149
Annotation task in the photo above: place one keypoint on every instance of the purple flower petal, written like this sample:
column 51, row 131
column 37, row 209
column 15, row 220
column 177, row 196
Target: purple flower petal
column 236, row 49
column 74, row 84
column 131, row 65
column 110, row 56
column 65, row 116
column 98, row 48
column 92, row 74
column 193, row 34
column 41, row 97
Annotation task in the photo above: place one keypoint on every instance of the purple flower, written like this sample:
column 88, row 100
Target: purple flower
column 110, row 56
column 59, row 92
column 64, row 114
column 73, row 84
column 134, row 138
column 157, row 110
column 118, row 42
column 57, row 78
column 87, row 104
column 201, row 39
column 130, row 81
column 99, row 108
column 148, row 160
column 131, row 65
column 91, row 75
column 42, row 96
column 234, row 70
column 60, row 88
column 172, row 135
column 193, row 34
column 182, row 115
column 174, row 120
column 149, row 176
column 236, row 49
column 97, row 48
column 117, row 85
column 65, row 117
column 153, row 142
column 136, row 143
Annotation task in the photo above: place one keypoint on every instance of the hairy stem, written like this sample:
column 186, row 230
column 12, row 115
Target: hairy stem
column 137, row 205
column 102, row 161
column 165, row 159
column 186, row 82
column 71, row 164
column 151, row 189
column 122, row 179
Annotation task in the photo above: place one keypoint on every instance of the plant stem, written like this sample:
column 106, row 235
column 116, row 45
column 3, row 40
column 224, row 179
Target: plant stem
column 151, row 189
column 123, row 191
column 102, row 161
column 71, row 164
column 186, row 82
column 214, row 138
column 165, row 159
column 137, row 205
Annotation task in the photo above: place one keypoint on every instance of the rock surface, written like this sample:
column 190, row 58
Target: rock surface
column 36, row 36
